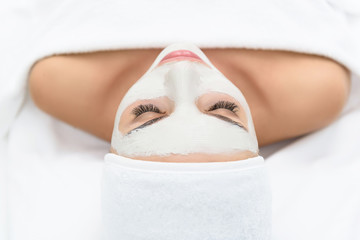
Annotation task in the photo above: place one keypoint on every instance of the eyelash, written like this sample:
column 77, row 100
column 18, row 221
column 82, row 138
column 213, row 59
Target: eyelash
column 152, row 108
column 224, row 104
column 141, row 109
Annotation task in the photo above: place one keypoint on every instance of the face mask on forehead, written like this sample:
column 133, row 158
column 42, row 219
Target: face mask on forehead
column 187, row 127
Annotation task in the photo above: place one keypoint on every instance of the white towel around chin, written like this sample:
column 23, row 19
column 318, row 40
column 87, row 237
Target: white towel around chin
column 186, row 201
column 53, row 178
column 36, row 29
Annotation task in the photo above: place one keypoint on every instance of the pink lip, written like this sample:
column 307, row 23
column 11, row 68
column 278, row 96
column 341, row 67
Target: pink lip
column 180, row 55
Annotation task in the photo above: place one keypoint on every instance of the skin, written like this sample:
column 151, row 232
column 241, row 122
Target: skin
column 195, row 157
column 289, row 94
column 129, row 121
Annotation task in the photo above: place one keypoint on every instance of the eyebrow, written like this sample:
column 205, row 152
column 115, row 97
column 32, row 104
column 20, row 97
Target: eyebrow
column 229, row 120
column 226, row 119
column 148, row 123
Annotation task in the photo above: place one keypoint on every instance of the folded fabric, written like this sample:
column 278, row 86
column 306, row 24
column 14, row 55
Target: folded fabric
column 38, row 28
column 186, row 201
column 53, row 153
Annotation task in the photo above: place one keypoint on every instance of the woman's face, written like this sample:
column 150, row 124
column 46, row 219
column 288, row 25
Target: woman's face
column 184, row 109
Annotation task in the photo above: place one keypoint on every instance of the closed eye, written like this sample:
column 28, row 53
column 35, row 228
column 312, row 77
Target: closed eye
column 224, row 105
column 232, row 107
column 143, row 108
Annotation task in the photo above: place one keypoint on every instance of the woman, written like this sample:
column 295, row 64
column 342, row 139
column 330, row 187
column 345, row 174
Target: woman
column 282, row 88
column 202, row 178
column 284, row 57
column 184, row 110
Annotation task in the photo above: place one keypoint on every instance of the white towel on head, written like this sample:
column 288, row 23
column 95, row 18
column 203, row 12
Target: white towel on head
column 55, row 154
column 209, row 201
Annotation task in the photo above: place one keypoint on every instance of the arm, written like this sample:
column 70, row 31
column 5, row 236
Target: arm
column 289, row 94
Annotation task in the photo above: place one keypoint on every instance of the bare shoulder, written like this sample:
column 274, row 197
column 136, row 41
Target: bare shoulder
column 85, row 89
column 300, row 93
column 289, row 94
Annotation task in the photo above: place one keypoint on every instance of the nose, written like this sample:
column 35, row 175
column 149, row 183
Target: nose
column 182, row 82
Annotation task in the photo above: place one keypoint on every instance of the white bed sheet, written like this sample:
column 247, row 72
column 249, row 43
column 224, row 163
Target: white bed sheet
column 51, row 172
column 316, row 181
column 55, row 184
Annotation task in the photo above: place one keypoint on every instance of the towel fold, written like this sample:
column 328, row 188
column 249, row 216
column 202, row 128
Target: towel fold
column 41, row 152
column 192, row 201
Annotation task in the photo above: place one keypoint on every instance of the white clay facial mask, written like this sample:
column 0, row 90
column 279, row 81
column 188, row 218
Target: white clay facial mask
column 183, row 105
